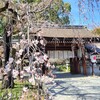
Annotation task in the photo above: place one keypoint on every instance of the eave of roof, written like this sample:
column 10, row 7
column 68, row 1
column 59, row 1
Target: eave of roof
column 67, row 33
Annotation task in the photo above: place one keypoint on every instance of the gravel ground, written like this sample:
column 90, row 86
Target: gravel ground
column 75, row 87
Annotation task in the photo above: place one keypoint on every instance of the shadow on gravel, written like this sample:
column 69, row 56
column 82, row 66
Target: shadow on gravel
column 73, row 92
column 78, row 89
column 88, row 96
column 67, row 75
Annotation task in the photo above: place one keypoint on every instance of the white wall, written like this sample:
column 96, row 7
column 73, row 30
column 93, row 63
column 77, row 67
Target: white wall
column 60, row 54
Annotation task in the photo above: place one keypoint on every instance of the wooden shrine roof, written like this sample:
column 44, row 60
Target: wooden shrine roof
column 67, row 32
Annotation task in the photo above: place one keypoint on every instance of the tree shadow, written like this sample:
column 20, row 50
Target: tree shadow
column 67, row 75
column 72, row 90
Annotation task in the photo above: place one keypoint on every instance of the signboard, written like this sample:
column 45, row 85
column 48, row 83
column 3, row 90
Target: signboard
column 93, row 58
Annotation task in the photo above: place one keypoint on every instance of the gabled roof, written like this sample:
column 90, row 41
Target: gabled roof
column 67, row 32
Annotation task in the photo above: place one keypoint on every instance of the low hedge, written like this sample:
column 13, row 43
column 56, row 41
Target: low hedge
column 62, row 68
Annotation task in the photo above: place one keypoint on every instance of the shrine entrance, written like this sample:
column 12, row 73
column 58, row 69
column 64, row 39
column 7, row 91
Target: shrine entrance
column 64, row 50
column 68, row 43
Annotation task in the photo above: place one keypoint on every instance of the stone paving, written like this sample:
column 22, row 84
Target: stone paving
column 75, row 87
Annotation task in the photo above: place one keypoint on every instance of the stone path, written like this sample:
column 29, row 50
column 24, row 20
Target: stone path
column 75, row 87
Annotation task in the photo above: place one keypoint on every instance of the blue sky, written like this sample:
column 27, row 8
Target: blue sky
column 89, row 18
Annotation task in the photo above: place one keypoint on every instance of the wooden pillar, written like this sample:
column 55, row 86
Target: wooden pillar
column 78, row 67
column 74, row 62
column 84, row 65
column 92, row 68
column 74, row 65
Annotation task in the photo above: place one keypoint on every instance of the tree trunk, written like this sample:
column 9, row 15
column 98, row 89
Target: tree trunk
column 8, row 82
column 7, row 44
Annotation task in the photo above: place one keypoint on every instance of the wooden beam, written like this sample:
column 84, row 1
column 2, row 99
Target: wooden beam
column 57, row 48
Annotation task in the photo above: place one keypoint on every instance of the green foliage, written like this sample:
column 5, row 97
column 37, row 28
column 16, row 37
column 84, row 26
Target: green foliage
column 1, row 28
column 16, row 91
column 96, row 31
column 58, row 12
column 68, row 68
column 67, row 7
column 30, row 1
column 62, row 68
column 3, row 22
